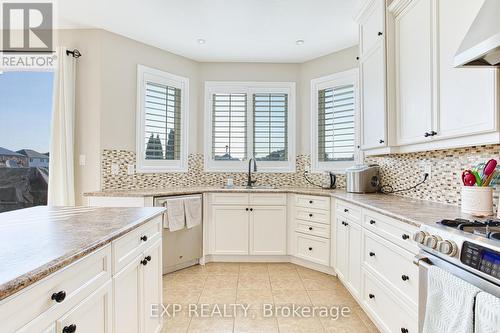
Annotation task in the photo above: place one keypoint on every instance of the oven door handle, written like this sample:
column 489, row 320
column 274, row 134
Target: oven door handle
column 421, row 260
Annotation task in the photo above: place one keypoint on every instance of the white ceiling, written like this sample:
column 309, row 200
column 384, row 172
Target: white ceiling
column 234, row 30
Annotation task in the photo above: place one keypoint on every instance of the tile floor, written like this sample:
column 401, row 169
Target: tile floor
column 256, row 284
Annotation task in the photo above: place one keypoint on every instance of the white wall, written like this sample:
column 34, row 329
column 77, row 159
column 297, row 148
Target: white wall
column 106, row 92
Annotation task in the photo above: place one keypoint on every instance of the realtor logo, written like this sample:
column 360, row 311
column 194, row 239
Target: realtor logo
column 27, row 27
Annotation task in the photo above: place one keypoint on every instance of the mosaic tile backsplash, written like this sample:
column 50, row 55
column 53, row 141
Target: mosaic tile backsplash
column 397, row 170
column 196, row 176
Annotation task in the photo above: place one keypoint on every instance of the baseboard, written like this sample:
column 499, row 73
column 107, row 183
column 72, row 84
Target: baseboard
column 267, row 259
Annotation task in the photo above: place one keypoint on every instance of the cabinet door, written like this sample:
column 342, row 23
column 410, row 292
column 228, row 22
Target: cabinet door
column 354, row 257
column 93, row 314
column 127, row 295
column 414, row 62
column 466, row 96
column 152, row 287
column 229, row 229
column 373, row 111
column 268, row 230
column 372, row 26
column 342, row 248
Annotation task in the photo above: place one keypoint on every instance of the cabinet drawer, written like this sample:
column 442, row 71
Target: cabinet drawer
column 313, row 228
column 314, row 215
column 127, row 247
column 383, row 305
column 348, row 210
column 34, row 307
column 312, row 248
column 268, row 199
column 229, row 199
column 394, row 265
column 394, row 231
column 310, row 201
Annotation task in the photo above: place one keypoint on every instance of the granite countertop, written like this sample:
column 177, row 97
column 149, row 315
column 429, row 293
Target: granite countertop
column 410, row 211
column 38, row 241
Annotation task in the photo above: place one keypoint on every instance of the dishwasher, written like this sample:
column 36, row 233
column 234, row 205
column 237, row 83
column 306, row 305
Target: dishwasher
column 182, row 248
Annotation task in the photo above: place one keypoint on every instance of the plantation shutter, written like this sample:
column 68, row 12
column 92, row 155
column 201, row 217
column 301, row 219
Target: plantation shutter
column 229, row 126
column 270, row 115
column 336, row 124
column 162, row 122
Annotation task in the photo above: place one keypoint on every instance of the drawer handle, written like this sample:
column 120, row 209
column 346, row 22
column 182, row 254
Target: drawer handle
column 405, row 277
column 310, row 228
column 69, row 329
column 346, row 210
column 144, row 238
column 346, row 224
column 404, row 330
column 144, row 262
column 372, row 254
column 310, row 249
column 251, row 209
column 247, row 209
column 59, row 296
column 405, row 236
column 310, row 215
column 148, row 258
column 379, row 33
column 371, row 296
column 310, row 201
column 372, row 222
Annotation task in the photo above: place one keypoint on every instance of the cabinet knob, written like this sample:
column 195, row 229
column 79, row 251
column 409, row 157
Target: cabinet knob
column 433, row 133
column 310, row 201
column 371, row 296
column 427, row 134
column 346, row 224
column 372, row 254
column 59, row 296
column 405, row 236
column 311, row 228
column 247, row 209
column 310, row 249
column 346, row 210
column 357, row 58
column 144, row 262
column 405, row 277
column 372, row 221
column 380, row 33
column 404, row 330
column 148, row 258
column 144, row 238
column 69, row 329
column 381, row 141
column 251, row 209
column 310, row 215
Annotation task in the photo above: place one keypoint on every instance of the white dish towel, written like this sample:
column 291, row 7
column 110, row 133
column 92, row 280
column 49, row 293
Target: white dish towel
column 487, row 313
column 193, row 210
column 176, row 219
column 450, row 303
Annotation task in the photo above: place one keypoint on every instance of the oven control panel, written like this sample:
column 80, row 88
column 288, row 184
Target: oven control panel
column 481, row 258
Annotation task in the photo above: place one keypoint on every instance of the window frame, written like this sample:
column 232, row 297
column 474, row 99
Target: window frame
column 325, row 82
column 250, row 88
column 144, row 165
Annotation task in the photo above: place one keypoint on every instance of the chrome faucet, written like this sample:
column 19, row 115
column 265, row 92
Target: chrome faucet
column 250, row 182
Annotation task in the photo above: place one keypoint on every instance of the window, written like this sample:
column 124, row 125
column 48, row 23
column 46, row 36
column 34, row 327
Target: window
column 334, row 121
column 250, row 120
column 25, row 122
column 161, row 121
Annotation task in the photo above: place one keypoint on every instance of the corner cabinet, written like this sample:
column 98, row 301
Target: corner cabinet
column 372, row 71
column 439, row 106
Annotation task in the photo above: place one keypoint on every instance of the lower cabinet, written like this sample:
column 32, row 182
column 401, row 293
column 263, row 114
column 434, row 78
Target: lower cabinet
column 229, row 229
column 349, row 253
column 268, row 230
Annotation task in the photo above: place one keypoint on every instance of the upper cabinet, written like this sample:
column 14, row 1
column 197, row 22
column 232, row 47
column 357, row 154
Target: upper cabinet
column 411, row 96
column 372, row 71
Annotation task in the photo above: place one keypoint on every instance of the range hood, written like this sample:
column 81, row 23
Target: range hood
column 481, row 45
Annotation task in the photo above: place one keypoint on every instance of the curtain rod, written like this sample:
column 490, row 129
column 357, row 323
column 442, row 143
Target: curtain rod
column 75, row 53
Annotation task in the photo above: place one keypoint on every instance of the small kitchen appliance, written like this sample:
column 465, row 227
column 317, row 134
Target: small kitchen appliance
column 363, row 178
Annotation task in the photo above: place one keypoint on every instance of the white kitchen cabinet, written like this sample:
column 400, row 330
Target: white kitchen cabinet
column 127, row 297
column 229, row 229
column 349, row 254
column 152, row 283
column 467, row 96
column 92, row 315
column 268, row 230
column 414, row 45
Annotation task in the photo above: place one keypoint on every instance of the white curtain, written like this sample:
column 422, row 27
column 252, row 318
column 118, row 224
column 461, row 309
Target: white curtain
column 61, row 167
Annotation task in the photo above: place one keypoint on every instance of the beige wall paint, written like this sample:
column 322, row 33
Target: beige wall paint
column 107, row 84
column 330, row 64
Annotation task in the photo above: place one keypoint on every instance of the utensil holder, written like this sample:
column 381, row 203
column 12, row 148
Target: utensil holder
column 477, row 200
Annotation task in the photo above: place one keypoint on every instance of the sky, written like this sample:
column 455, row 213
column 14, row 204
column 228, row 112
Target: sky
column 25, row 110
